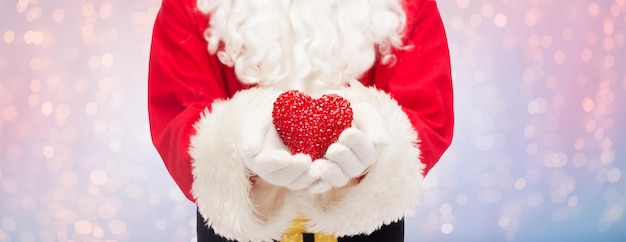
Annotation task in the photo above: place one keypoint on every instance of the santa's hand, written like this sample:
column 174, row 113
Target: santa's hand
column 353, row 153
column 266, row 156
column 328, row 175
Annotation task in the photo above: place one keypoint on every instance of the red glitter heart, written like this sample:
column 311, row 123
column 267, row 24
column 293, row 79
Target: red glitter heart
column 307, row 125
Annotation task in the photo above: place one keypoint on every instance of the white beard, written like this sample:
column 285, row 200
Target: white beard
column 309, row 45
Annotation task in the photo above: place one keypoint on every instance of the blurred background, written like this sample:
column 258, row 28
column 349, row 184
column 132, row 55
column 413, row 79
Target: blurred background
column 539, row 150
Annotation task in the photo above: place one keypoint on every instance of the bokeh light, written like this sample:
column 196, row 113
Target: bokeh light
column 538, row 154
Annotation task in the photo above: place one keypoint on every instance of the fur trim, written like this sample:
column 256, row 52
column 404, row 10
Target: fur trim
column 221, row 183
column 391, row 188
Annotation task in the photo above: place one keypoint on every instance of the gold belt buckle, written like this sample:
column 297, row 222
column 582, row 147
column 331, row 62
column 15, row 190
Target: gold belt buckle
column 295, row 233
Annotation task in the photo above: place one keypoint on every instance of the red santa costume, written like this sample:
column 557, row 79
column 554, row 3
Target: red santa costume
column 217, row 66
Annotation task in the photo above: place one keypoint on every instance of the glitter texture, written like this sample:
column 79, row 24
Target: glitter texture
column 307, row 125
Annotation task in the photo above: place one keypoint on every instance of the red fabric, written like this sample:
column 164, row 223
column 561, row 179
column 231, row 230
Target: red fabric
column 421, row 80
column 184, row 79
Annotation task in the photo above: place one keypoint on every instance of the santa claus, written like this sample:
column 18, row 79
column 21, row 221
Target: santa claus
column 216, row 70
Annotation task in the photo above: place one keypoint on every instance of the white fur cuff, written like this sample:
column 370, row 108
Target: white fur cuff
column 221, row 185
column 392, row 187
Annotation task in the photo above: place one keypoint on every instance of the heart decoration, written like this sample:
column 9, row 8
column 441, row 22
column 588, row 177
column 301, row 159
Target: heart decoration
column 307, row 125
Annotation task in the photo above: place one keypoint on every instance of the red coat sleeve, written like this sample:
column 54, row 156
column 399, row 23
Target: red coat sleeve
column 183, row 80
column 414, row 97
column 421, row 80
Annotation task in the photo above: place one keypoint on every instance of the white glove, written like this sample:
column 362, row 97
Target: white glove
column 265, row 154
column 353, row 153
